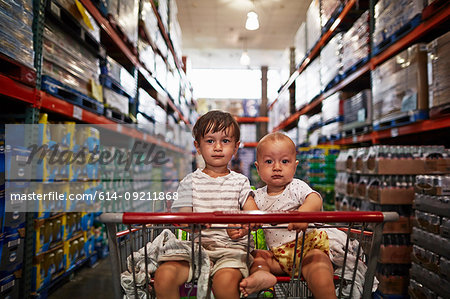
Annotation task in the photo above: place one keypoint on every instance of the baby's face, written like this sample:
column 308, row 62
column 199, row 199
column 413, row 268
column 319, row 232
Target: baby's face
column 276, row 163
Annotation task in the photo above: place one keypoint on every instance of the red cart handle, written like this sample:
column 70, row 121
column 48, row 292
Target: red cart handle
column 247, row 217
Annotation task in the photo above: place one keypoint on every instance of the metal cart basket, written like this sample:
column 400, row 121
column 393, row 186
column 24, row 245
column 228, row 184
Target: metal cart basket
column 130, row 232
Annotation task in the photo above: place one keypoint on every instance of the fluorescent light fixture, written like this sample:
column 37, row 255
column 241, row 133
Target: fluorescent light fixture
column 252, row 22
column 245, row 59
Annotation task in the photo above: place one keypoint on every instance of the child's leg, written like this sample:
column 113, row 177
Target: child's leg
column 169, row 277
column 318, row 273
column 225, row 283
column 261, row 273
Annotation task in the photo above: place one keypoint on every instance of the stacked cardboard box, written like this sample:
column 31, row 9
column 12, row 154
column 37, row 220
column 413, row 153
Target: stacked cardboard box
column 400, row 84
column 439, row 71
column 383, row 178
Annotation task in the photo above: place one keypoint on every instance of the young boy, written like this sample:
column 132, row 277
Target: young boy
column 213, row 188
column 276, row 164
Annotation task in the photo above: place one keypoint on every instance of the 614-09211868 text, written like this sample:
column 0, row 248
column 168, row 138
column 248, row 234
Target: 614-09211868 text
column 137, row 196
column 97, row 195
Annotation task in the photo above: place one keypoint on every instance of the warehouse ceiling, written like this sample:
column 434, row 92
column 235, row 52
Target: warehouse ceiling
column 214, row 34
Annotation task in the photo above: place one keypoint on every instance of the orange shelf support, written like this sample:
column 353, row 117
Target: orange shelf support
column 67, row 109
column 250, row 120
column 414, row 128
column 250, row 144
column 14, row 89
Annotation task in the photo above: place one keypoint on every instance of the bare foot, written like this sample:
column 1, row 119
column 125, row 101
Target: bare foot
column 260, row 280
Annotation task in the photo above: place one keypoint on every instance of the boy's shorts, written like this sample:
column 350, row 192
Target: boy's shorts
column 284, row 254
column 219, row 257
column 229, row 258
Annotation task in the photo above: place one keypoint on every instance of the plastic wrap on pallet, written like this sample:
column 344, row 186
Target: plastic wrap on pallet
column 358, row 108
column 300, row 44
column 400, row 84
column 273, row 121
column 128, row 19
column 315, row 121
column 147, row 103
column 355, row 42
column 331, row 60
column 75, row 58
column 313, row 30
column 313, row 79
column 285, row 70
column 115, row 100
column 282, row 105
column 113, row 8
column 117, row 72
column 439, row 71
column 330, row 130
column 160, row 121
column 174, row 31
column 163, row 10
column 68, row 61
column 149, row 20
column 301, row 86
column 390, row 18
column 248, row 132
column 302, row 129
column 146, row 55
column 313, row 137
column 72, row 7
column 173, row 86
column 327, row 8
column 160, row 70
column 15, row 31
column 62, row 75
column 171, row 128
column 332, row 107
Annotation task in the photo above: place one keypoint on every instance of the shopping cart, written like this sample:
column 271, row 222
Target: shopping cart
column 129, row 232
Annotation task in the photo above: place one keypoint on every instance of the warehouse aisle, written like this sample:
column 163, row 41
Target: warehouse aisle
column 88, row 283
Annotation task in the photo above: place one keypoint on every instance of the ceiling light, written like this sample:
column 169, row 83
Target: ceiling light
column 252, row 22
column 245, row 59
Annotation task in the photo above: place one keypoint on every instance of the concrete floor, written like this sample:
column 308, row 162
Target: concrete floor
column 87, row 283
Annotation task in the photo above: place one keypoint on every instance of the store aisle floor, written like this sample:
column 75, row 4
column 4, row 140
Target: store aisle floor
column 88, row 283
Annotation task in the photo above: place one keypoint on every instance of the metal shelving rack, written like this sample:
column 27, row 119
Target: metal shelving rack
column 437, row 19
column 36, row 100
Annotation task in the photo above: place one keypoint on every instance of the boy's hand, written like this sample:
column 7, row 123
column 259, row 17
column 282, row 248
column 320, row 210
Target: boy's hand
column 236, row 233
column 298, row 226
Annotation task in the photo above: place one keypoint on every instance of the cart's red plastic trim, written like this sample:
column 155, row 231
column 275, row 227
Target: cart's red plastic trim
column 251, row 216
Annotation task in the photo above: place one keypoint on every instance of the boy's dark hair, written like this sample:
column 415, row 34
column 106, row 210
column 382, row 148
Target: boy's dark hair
column 215, row 121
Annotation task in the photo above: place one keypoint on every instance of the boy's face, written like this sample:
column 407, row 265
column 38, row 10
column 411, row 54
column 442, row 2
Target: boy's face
column 217, row 148
column 276, row 163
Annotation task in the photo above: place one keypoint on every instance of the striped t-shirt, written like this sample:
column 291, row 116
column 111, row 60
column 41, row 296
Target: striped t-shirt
column 207, row 194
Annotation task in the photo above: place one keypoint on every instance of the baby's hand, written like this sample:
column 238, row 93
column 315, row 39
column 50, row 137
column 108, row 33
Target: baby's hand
column 255, row 226
column 298, row 226
column 236, row 233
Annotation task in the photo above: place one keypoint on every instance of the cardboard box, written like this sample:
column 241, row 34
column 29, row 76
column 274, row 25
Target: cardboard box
column 392, row 196
column 393, row 254
column 48, row 266
column 393, row 284
column 400, row 84
column 402, row 226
